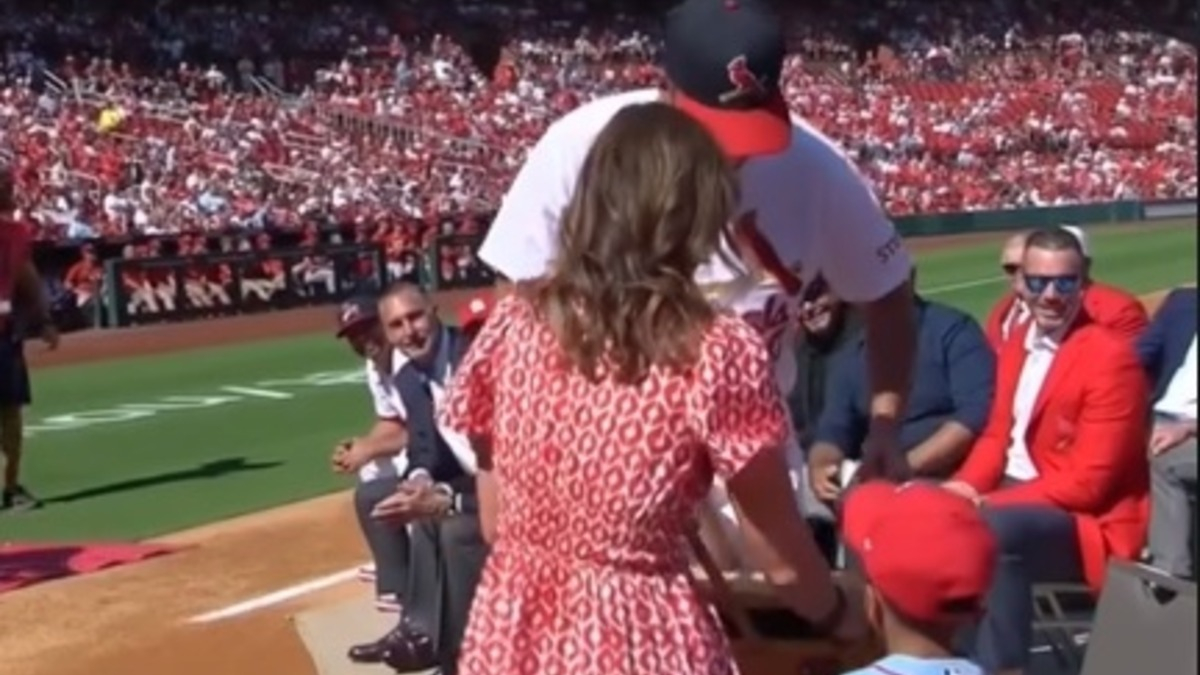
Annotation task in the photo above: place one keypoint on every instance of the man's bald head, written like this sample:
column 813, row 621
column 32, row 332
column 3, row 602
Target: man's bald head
column 1014, row 248
column 1011, row 256
column 410, row 321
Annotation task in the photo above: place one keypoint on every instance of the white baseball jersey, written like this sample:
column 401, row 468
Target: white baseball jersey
column 388, row 406
column 898, row 664
column 808, row 204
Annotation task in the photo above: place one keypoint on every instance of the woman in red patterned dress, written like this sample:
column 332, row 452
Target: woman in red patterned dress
column 602, row 402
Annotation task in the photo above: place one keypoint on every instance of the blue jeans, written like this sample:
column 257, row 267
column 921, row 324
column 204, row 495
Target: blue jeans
column 1037, row 545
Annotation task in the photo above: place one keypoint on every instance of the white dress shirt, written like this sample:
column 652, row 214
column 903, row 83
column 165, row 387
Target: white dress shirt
column 1041, row 350
column 1017, row 315
column 1179, row 400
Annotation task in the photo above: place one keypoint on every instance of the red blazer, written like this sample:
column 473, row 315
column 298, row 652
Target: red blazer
column 1109, row 306
column 1087, row 439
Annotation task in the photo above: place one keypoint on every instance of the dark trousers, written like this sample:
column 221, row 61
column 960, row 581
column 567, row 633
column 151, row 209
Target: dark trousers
column 389, row 545
column 1037, row 545
column 447, row 560
column 14, row 374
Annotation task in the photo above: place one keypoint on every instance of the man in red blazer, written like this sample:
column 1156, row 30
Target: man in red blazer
column 1109, row 306
column 1060, row 470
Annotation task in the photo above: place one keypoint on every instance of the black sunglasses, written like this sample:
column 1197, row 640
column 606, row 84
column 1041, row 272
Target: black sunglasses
column 1010, row 269
column 1067, row 284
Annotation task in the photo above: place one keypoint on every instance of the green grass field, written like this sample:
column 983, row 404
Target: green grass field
column 145, row 446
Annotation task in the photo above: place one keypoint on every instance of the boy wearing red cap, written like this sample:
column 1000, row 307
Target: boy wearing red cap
column 928, row 559
column 473, row 315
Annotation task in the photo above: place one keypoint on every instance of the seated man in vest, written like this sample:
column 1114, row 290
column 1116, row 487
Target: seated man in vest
column 1109, row 306
column 1168, row 352
column 377, row 459
column 947, row 407
column 1060, row 471
column 437, row 496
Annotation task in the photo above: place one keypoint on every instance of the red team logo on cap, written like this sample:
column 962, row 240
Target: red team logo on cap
column 745, row 82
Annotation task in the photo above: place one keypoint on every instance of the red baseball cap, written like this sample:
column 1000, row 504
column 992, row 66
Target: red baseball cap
column 355, row 312
column 724, row 59
column 474, row 313
column 926, row 551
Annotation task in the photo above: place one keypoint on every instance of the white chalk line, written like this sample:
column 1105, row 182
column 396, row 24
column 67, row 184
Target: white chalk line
column 277, row 597
column 321, row 583
column 949, row 288
column 312, row 586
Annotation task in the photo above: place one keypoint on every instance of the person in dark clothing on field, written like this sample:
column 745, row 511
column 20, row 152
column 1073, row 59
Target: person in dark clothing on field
column 23, row 304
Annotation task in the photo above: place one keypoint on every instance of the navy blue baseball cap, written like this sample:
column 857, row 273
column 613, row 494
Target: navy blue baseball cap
column 724, row 59
column 355, row 312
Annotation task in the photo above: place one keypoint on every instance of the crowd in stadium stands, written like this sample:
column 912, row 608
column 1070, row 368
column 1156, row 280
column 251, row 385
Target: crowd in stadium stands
column 404, row 126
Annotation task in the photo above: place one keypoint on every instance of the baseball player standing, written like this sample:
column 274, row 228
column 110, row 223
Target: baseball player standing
column 805, row 208
column 22, row 297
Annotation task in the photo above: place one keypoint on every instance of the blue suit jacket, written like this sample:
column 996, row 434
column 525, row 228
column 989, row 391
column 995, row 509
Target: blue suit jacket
column 954, row 379
column 1164, row 345
column 427, row 450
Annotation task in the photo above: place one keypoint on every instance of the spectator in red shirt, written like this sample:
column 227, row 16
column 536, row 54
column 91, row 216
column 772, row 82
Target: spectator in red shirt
column 21, row 296
column 84, row 278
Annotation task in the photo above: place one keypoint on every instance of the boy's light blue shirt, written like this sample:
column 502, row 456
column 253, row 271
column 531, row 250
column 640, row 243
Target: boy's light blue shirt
column 908, row 665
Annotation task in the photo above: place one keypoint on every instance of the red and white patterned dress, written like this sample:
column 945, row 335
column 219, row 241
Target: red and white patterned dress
column 599, row 481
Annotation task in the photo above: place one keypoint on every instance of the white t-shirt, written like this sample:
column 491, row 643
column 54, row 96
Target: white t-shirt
column 388, row 406
column 811, row 205
column 1180, row 397
column 809, row 202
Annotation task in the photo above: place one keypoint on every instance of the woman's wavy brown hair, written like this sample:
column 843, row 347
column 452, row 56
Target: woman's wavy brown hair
column 654, row 201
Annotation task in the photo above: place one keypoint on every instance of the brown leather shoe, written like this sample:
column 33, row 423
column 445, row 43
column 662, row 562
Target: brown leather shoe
column 401, row 638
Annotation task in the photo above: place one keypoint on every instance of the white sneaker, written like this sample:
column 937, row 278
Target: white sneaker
column 388, row 604
column 366, row 573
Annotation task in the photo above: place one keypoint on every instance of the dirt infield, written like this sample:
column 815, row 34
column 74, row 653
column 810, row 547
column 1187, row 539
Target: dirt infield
column 135, row 620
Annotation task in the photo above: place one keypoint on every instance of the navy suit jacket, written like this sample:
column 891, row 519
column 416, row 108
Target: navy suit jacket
column 954, row 379
column 1165, row 344
column 427, row 450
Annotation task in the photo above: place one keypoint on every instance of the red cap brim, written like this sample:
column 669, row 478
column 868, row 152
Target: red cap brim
column 765, row 130
column 345, row 330
column 864, row 506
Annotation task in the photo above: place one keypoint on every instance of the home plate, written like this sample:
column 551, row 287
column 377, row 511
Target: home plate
column 327, row 633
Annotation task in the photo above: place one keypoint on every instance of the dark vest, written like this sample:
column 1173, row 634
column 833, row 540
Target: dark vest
column 426, row 447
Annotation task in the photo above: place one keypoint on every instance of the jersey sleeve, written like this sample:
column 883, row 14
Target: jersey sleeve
column 386, row 407
column 740, row 409
column 860, row 252
column 521, row 239
column 470, row 404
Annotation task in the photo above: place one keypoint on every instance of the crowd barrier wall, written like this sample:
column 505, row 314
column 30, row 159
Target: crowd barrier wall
column 1018, row 219
column 451, row 264
column 142, row 291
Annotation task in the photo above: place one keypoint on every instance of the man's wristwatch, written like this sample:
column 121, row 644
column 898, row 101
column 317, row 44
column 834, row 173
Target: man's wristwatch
column 455, row 499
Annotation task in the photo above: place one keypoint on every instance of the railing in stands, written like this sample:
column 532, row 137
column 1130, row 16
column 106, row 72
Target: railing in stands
column 380, row 129
column 269, row 88
column 56, row 84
